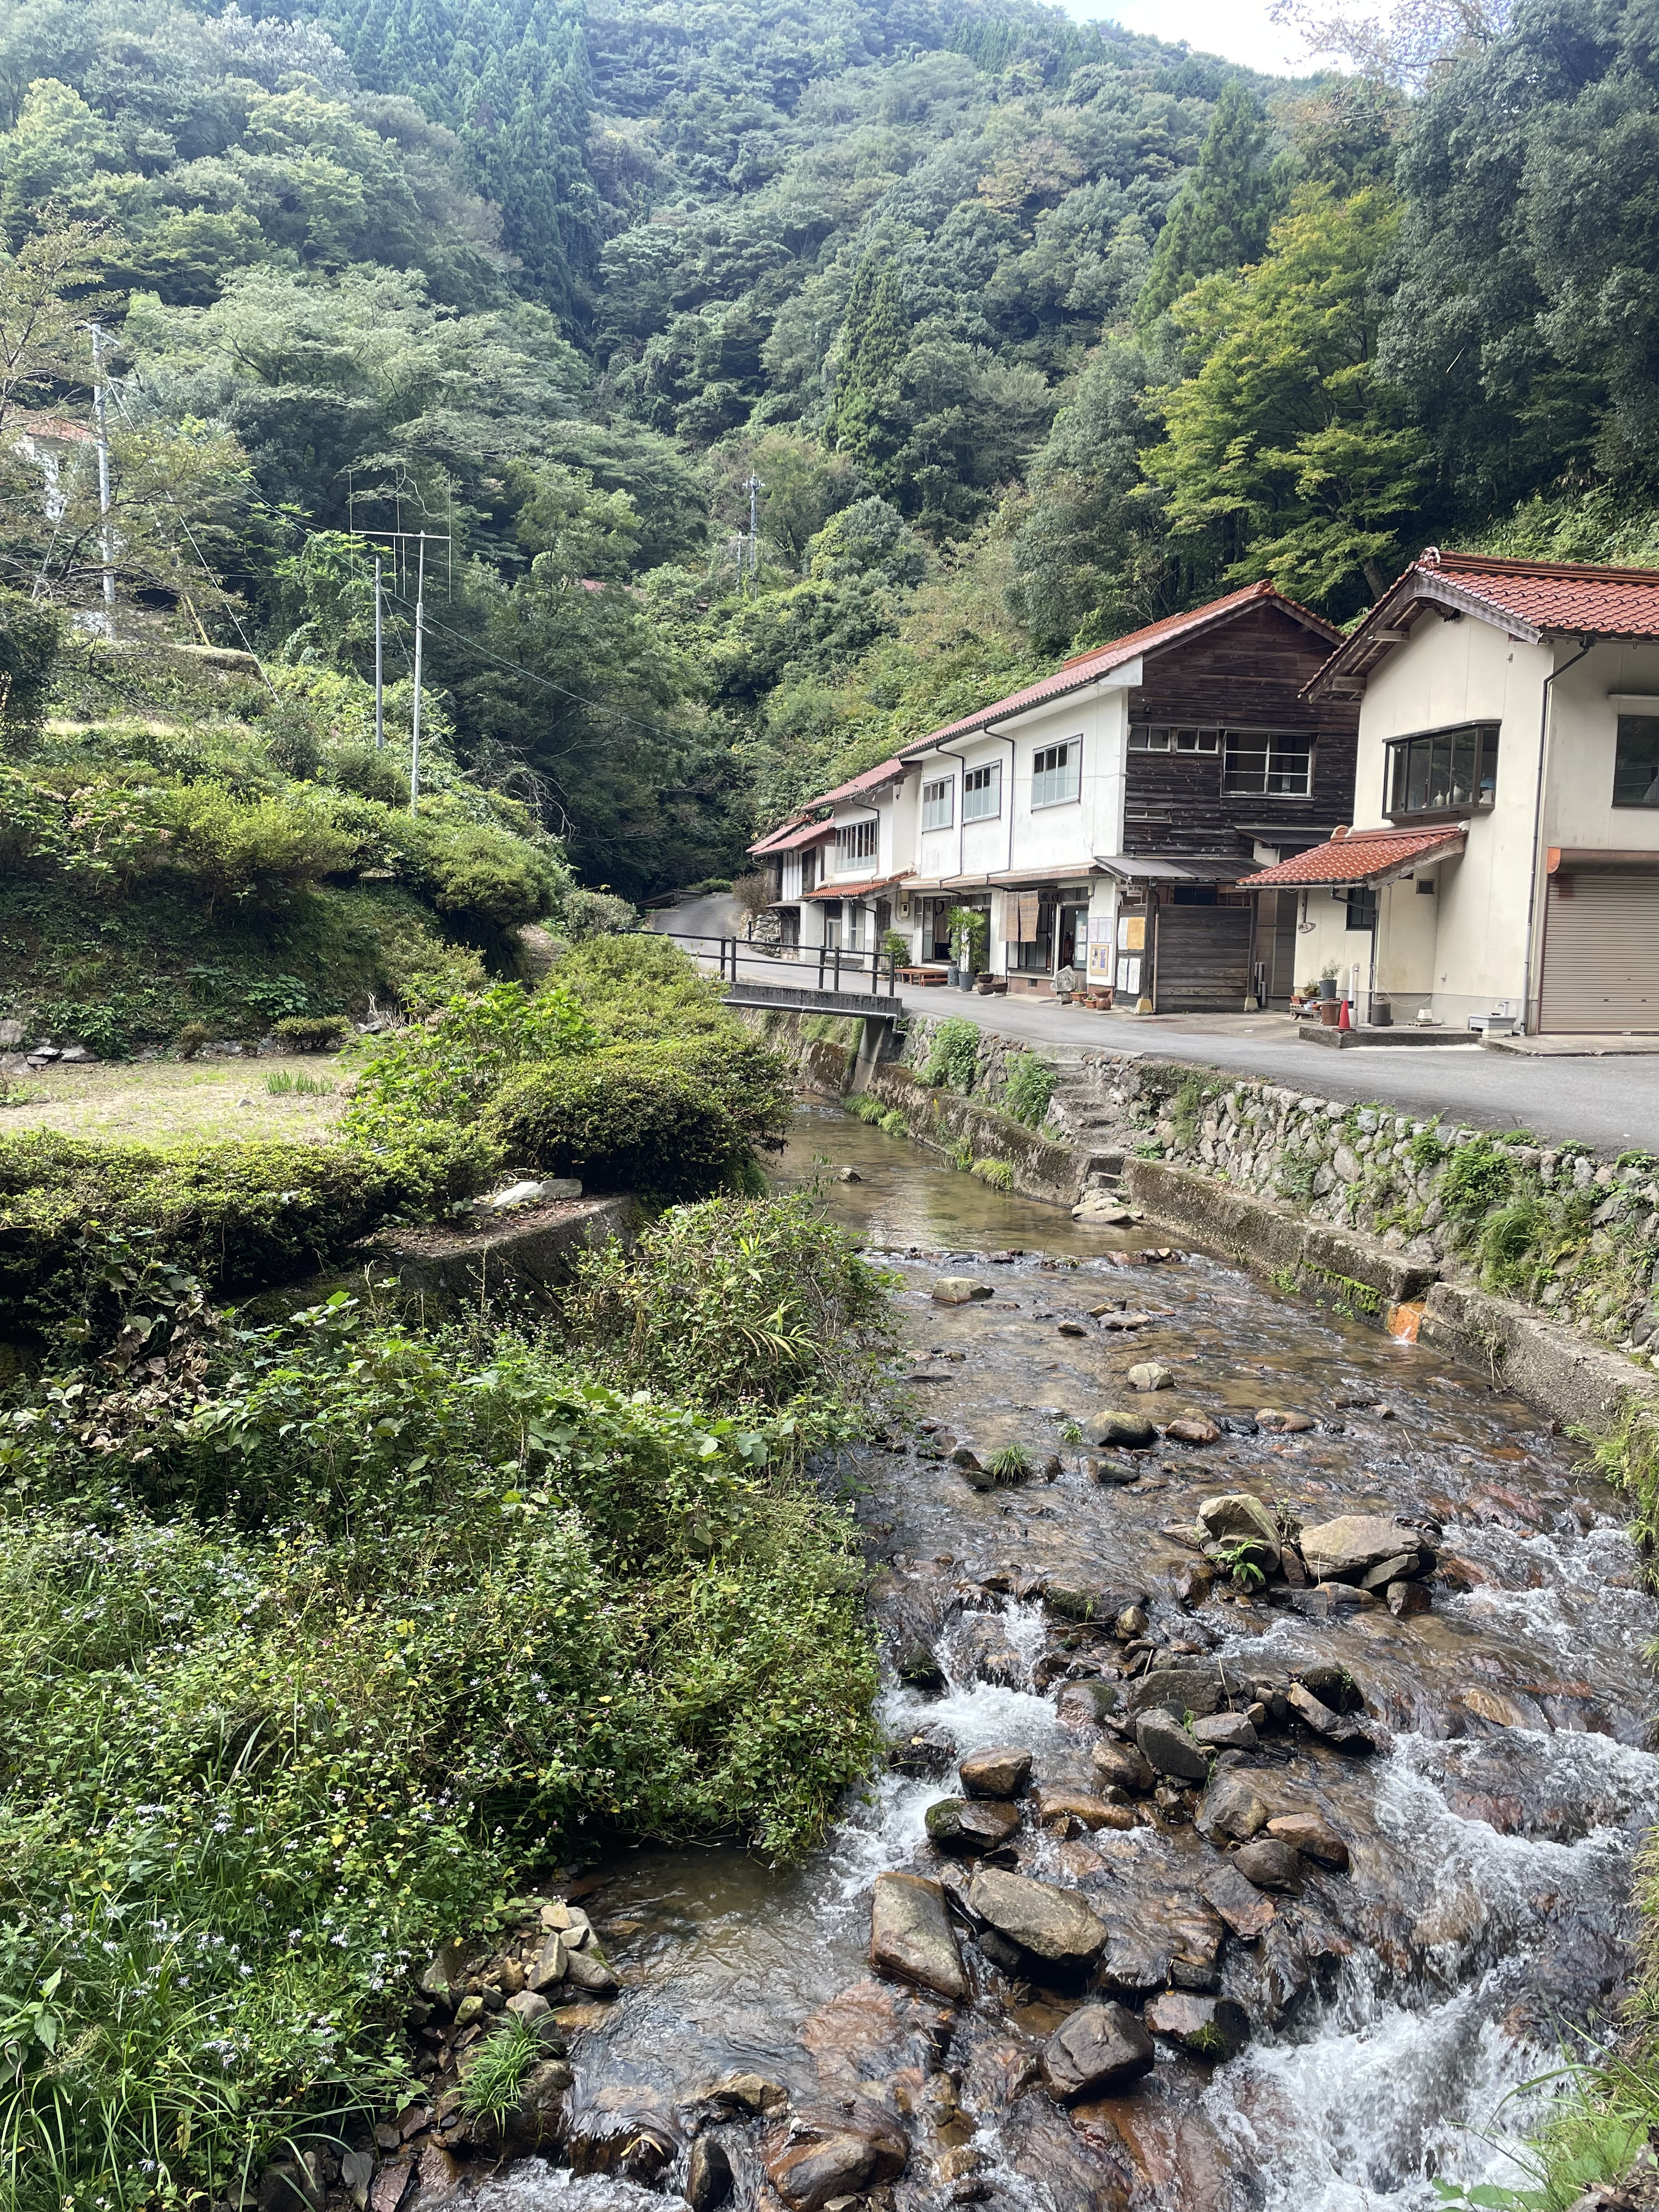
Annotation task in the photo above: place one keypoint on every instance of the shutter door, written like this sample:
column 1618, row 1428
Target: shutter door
column 1202, row 963
column 1602, row 955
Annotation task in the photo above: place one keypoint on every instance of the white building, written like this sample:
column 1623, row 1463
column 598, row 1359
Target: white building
column 1504, row 858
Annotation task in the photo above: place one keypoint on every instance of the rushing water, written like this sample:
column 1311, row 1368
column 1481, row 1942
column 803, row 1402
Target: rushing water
column 1486, row 1917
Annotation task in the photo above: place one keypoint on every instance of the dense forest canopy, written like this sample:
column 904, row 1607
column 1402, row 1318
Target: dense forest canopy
column 1017, row 333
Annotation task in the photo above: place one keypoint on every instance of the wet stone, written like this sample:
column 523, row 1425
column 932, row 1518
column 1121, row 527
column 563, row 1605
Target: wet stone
column 1226, row 1732
column 707, row 2176
column 1114, row 1429
column 967, row 1826
column 1059, row 1807
column 1231, row 1808
column 1170, row 1747
column 1122, row 1767
column 1111, row 1473
column 925, row 1751
column 1191, row 1427
column 1053, row 1926
column 1314, row 1838
column 1406, row 1599
column 1090, row 1701
column 959, row 1291
column 1353, row 1543
column 1186, row 1686
column 1002, row 1772
column 1149, row 1375
column 1270, row 1863
column 1241, row 1904
column 916, row 1665
column 1077, row 1600
column 1280, row 1422
column 1209, row 2026
column 1101, row 2048
column 911, row 1936
column 827, row 2153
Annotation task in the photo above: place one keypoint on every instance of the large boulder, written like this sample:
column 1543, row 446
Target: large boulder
column 967, row 1826
column 1121, row 1766
column 1171, row 1747
column 959, row 1291
column 1236, row 1517
column 1185, row 1685
column 1051, row 1926
column 828, row 2152
column 911, row 1937
column 1231, row 1808
column 1101, row 2048
column 1345, row 1549
column 1243, row 1907
column 1313, row 1837
column 1114, row 1429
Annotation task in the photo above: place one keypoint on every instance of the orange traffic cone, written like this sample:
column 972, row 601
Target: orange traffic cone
column 1343, row 1021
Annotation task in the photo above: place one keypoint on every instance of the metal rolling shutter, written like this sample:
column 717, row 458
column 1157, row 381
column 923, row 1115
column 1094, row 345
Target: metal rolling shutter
column 1202, row 959
column 1601, row 956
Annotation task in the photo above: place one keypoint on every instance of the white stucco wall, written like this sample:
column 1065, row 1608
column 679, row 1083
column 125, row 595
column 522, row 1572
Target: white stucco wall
column 1589, row 699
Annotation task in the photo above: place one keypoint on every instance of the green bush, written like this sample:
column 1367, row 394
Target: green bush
column 311, row 1032
column 96, row 1237
column 483, row 878
column 732, row 1300
column 231, row 848
column 595, row 914
column 622, row 1120
column 995, row 1175
column 1476, row 1178
column 641, row 985
column 1029, row 1088
column 447, row 1067
column 952, row 1061
column 368, row 774
column 863, row 1107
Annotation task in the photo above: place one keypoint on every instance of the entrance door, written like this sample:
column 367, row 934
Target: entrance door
column 1201, row 959
column 1601, row 955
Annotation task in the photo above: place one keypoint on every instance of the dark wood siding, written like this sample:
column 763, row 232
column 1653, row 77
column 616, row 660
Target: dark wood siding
column 1201, row 962
column 1246, row 674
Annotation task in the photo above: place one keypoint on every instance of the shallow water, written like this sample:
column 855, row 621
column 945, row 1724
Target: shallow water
column 1487, row 1912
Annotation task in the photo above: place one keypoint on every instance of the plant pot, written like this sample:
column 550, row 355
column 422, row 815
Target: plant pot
column 1330, row 1012
column 1381, row 1010
column 965, row 978
column 1327, row 987
column 952, row 975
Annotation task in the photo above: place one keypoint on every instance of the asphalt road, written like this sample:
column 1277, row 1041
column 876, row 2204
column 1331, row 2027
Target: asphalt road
column 1611, row 1102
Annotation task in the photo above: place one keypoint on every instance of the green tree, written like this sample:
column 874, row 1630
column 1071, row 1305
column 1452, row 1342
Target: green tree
column 874, row 341
column 1222, row 213
column 1286, row 453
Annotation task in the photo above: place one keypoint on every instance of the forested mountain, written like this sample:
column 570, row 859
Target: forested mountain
column 1028, row 331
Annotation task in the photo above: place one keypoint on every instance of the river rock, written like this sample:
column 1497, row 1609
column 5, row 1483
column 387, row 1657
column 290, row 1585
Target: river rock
column 827, row 2152
column 1339, row 1730
column 1130, row 1624
column 915, row 1664
column 1121, row 1766
column 1056, row 1807
column 708, row 2175
column 1314, row 1838
column 585, row 1970
column 1116, row 1429
column 1090, row 1702
column 1282, row 1423
column 1271, row 1863
column 1208, row 2026
column 967, row 1826
column 1168, row 1746
column 1186, row 1686
column 1111, row 1473
column 1190, row 1426
column 925, row 1751
column 1074, row 1599
column 1226, row 1732
column 1237, row 1517
column 1405, row 1599
column 550, row 1964
column 749, row 2093
column 1230, row 1807
column 1149, row 1375
column 1051, row 1925
column 1334, row 1686
column 1332, row 1600
column 1002, row 1772
column 528, row 2006
column 911, row 1937
column 1101, row 2048
column 638, row 2139
column 959, row 1291
column 993, row 1653
column 1399, row 1569
column 1240, row 1904
column 1345, row 1549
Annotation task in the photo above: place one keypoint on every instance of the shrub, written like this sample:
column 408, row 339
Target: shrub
column 863, row 1107
column 595, row 914
column 621, row 1121
column 1475, row 1178
column 368, row 774
column 99, row 1236
column 311, row 1032
column 1029, row 1088
column 953, row 1057
column 641, row 985
column 485, row 879
column 446, row 1068
column 232, row 849
column 735, row 1299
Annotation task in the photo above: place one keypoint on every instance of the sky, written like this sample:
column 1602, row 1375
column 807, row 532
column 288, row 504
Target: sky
column 1239, row 29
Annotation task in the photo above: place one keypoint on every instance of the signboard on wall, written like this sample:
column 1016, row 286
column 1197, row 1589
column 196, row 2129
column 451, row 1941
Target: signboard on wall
column 1129, row 976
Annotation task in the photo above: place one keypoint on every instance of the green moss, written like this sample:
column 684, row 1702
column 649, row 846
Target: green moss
column 996, row 1174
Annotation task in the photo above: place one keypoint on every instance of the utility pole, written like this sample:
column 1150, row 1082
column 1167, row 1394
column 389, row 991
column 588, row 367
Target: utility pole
column 414, row 720
column 379, row 673
column 105, row 534
column 755, row 488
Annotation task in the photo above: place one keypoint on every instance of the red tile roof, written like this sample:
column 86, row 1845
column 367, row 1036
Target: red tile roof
column 791, row 834
column 1561, row 595
column 1360, row 856
column 861, row 889
column 1087, row 668
column 793, row 837
column 872, row 779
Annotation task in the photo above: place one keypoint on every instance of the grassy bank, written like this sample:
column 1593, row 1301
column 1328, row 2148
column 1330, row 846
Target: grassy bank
column 320, row 1640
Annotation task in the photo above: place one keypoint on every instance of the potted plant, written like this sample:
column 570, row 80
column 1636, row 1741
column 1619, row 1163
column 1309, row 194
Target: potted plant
column 970, row 938
column 896, row 948
column 1328, row 975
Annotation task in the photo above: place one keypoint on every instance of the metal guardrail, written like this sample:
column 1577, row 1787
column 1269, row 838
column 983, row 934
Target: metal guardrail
column 832, row 961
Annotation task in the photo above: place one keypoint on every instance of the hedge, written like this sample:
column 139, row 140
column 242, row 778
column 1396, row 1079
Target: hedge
column 624, row 1120
column 89, row 1231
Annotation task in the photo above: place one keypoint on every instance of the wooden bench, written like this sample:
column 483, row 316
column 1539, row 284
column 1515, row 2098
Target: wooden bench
column 923, row 976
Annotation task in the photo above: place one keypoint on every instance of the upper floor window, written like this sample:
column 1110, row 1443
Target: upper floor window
column 1262, row 764
column 981, row 793
column 938, row 810
column 855, row 840
column 1635, row 761
column 1155, row 739
column 1451, row 771
column 1057, row 773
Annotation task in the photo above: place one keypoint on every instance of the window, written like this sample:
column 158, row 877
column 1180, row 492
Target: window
column 1261, row 764
column 855, row 840
column 1145, row 740
column 1443, row 771
column 981, row 793
column 1362, row 906
column 938, row 809
column 1635, row 761
column 1057, row 773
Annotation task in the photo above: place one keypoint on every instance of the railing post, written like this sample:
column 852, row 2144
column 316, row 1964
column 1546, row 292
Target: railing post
column 820, row 967
column 892, row 975
column 838, row 968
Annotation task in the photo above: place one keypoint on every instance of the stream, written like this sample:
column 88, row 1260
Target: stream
column 1395, row 2008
